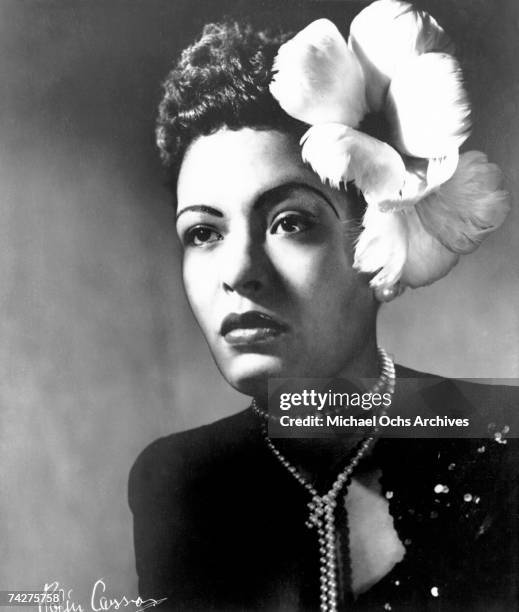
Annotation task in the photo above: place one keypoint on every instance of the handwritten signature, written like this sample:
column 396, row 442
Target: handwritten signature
column 99, row 602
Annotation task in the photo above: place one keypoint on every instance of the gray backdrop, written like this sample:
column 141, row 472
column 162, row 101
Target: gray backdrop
column 98, row 352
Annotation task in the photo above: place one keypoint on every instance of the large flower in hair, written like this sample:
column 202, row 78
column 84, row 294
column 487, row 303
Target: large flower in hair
column 426, row 204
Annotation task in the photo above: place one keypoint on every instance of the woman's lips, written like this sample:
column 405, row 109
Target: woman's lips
column 251, row 335
column 250, row 328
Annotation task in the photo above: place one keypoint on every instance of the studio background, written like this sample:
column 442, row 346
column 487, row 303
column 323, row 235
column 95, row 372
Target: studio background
column 99, row 354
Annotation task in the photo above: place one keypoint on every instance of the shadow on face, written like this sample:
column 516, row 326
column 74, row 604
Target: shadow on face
column 267, row 262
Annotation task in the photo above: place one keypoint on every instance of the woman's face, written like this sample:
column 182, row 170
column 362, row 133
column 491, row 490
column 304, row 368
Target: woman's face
column 267, row 261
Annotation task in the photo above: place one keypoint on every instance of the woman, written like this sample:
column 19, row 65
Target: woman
column 286, row 260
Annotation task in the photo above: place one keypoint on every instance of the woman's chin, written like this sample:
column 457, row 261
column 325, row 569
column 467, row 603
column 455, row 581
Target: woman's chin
column 250, row 373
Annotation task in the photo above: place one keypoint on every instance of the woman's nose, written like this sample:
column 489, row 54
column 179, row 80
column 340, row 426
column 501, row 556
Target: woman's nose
column 245, row 267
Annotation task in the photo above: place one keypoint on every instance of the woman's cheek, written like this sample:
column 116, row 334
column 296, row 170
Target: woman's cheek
column 309, row 267
column 198, row 276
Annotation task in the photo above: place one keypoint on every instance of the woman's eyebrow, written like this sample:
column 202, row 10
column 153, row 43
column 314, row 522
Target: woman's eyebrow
column 200, row 208
column 282, row 192
column 270, row 197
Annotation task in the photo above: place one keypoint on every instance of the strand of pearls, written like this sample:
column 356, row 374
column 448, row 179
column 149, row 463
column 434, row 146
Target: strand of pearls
column 322, row 507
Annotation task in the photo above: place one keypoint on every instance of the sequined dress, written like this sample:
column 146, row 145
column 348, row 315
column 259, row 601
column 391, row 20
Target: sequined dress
column 220, row 525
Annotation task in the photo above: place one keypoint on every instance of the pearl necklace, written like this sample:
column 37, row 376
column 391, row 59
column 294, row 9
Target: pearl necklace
column 322, row 507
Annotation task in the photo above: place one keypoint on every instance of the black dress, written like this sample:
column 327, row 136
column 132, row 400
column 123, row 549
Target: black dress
column 219, row 524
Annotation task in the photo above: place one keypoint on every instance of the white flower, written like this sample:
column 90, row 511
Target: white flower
column 421, row 244
column 427, row 106
column 384, row 36
column 427, row 258
column 382, row 246
column 339, row 153
column 318, row 79
column 426, row 203
column 468, row 207
column 422, row 176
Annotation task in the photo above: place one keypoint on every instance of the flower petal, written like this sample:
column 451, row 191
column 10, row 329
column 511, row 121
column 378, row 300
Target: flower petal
column 386, row 34
column 382, row 246
column 440, row 169
column 318, row 79
column 427, row 259
column 422, row 176
column 468, row 207
column 341, row 154
column 427, row 106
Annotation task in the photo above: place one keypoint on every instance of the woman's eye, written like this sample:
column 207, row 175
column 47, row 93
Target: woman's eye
column 290, row 224
column 201, row 236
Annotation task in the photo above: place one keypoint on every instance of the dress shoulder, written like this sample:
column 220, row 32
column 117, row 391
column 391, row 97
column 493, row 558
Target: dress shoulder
column 162, row 466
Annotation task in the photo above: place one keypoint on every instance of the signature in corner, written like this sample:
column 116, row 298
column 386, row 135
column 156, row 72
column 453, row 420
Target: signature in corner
column 99, row 602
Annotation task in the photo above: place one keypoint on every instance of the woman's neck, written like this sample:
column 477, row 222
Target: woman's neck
column 318, row 459
column 364, row 363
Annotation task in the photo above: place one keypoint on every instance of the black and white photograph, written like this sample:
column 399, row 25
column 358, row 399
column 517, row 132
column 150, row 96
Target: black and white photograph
column 259, row 305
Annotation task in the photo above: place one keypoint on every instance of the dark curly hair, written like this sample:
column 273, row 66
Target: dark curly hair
column 220, row 81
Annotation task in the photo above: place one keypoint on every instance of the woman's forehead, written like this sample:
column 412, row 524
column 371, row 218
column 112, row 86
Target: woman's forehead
column 233, row 168
column 238, row 164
